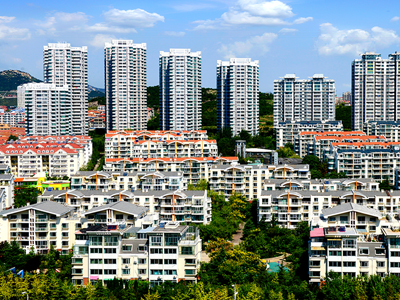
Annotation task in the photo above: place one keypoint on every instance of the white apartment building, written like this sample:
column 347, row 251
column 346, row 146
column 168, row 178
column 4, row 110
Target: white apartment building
column 146, row 181
column 193, row 168
column 120, row 147
column 26, row 160
column 169, row 252
column 374, row 89
column 126, row 85
column 13, row 118
column 65, row 65
column 293, row 206
column 237, row 95
column 156, row 135
column 47, row 108
column 304, row 100
column 180, row 90
column 7, row 188
column 389, row 129
column 354, row 240
column 39, row 226
column 248, row 180
column 287, row 131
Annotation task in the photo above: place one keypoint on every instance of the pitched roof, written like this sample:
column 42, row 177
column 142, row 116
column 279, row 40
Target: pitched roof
column 50, row 207
column 120, row 206
column 347, row 207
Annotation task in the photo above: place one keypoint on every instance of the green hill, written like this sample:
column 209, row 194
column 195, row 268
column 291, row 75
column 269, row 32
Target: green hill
column 10, row 79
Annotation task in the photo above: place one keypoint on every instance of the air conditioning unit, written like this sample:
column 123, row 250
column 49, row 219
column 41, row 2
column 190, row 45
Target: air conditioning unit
column 135, row 263
column 126, row 266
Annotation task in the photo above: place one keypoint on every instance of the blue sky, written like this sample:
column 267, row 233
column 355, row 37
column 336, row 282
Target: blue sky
column 299, row 36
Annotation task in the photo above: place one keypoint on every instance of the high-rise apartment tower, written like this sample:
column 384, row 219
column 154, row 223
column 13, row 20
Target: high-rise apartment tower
column 126, row 85
column 237, row 95
column 375, row 89
column 65, row 65
column 180, row 90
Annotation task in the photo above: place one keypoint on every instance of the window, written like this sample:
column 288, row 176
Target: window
column 156, row 261
column 335, row 263
column 142, row 271
column 110, row 250
column 126, row 271
column 110, row 261
column 77, row 271
column 335, row 253
column 155, row 241
column 351, row 274
column 96, row 250
column 364, row 263
column 156, row 272
column 395, row 265
column 190, row 272
column 126, row 247
column 187, row 250
column 380, row 251
column 395, row 253
column 349, row 264
column 77, row 260
column 349, row 253
column 315, row 274
column 169, row 272
column 170, row 251
column 126, row 261
column 380, row 264
column 363, row 251
column 96, row 261
column 142, row 261
column 191, row 261
column 364, row 274
column 170, row 261
column 156, row 251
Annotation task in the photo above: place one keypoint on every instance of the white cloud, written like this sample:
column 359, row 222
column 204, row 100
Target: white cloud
column 253, row 12
column 175, row 33
column 257, row 43
column 302, row 20
column 100, row 39
column 353, row 41
column 12, row 33
column 136, row 18
column 192, row 7
column 395, row 19
column 287, row 30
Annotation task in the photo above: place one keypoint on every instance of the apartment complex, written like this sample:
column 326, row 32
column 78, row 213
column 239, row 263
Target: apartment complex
column 375, row 88
column 287, row 131
column 354, row 240
column 169, row 252
column 47, row 108
column 389, row 129
column 13, row 118
column 165, row 205
column 125, row 70
column 304, row 100
column 237, row 95
column 180, row 90
column 156, row 135
column 65, row 65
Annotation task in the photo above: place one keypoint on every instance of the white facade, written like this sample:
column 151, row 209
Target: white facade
column 126, row 85
column 389, row 129
column 13, row 118
column 47, row 108
column 304, row 100
column 375, row 88
column 66, row 65
column 237, row 95
column 180, row 90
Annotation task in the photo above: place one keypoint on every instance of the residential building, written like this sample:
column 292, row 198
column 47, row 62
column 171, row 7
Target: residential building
column 47, row 108
column 389, row 129
column 180, row 90
column 293, row 206
column 166, row 205
column 169, row 252
column 7, row 187
column 13, row 118
column 156, row 135
column 40, row 226
column 354, row 240
column 126, row 85
column 248, row 180
column 287, row 131
column 374, row 89
column 193, row 168
column 304, row 100
column 237, row 95
column 64, row 65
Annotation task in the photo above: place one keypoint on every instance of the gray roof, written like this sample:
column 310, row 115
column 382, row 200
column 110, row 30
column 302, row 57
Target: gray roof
column 50, row 207
column 6, row 176
column 4, row 167
column 120, row 206
column 347, row 207
column 334, row 194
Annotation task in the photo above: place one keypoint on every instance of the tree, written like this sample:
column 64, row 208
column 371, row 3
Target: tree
column 12, row 138
column 385, row 185
column 25, row 195
column 343, row 113
column 154, row 122
column 312, row 161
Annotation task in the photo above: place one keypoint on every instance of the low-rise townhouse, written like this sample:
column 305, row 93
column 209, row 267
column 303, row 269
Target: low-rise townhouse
column 169, row 252
column 287, row 131
column 353, row 240
column 389, row 129
column 156, row 135
column 181, row 206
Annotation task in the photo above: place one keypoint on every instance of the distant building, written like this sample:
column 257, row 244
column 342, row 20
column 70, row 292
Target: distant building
column 304, row 100
column 374, row 89
column 237, row 95
column 180, row 90
column 126, row 85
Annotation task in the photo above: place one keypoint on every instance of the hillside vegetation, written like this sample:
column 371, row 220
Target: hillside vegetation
column 11, row 79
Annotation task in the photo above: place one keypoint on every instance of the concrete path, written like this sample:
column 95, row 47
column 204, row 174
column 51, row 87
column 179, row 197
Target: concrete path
column 237, row 237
